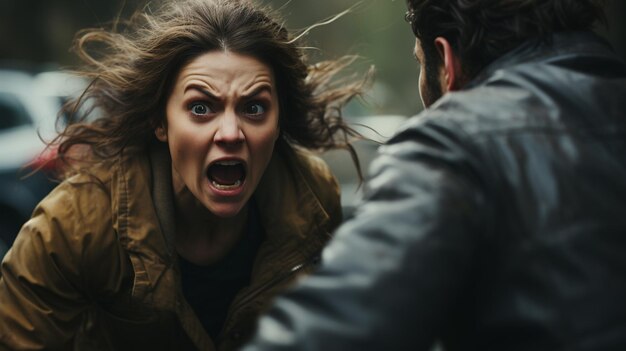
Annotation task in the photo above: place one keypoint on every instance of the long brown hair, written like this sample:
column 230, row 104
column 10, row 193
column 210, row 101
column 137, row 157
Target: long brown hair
column 132, row 69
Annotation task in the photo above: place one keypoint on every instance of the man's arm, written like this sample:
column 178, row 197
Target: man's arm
column 392, row 274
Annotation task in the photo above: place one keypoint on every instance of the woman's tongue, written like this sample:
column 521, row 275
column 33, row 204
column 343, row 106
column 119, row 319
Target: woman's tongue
column 226, row 175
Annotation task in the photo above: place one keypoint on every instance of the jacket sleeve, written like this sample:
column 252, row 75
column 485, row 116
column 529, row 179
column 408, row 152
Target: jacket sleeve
column 391, row 276
column 42, row 292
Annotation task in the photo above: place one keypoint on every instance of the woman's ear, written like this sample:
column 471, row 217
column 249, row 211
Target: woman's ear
column 161, row 133
column 452, row 73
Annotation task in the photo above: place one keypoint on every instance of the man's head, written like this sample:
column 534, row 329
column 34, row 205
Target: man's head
column 456, row 39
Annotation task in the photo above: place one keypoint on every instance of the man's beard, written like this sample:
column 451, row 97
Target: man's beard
column 433, row 85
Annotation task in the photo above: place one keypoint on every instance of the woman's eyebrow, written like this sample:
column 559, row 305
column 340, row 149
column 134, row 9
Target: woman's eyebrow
column 254, row 93
column 203, row 91
column 258, row 91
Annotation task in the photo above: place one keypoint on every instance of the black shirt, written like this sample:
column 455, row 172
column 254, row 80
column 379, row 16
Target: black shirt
column 210, row 289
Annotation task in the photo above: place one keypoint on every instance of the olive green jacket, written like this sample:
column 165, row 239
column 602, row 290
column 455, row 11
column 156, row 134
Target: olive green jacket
column 95, row 267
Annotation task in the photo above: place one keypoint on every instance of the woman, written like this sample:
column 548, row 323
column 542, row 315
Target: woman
column 192, row 201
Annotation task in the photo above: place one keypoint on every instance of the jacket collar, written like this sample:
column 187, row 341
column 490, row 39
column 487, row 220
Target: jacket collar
column 289, row 206
column 559, row 45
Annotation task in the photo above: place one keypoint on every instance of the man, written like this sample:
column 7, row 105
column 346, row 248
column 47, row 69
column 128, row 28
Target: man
column 495, row 219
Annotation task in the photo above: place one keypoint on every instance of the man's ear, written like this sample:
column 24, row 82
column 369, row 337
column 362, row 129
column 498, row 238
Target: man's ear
column 161, row 133
column 452, row 74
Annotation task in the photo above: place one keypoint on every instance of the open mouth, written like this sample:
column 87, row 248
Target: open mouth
column 227, row 174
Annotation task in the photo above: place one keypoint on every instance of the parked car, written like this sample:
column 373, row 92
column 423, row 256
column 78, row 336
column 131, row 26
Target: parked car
column 29, row 104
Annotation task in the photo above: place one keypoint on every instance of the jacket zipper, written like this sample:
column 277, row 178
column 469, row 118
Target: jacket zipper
column 274, row 281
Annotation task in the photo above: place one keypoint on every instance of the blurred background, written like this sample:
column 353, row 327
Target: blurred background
column 41, row 32
column 35, row 41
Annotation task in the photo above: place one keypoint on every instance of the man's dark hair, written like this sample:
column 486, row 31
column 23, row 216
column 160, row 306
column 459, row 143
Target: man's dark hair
column 480, row 31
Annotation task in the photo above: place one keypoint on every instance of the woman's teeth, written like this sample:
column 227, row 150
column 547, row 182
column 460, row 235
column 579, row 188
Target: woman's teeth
column 226, row 187
column 228, row 163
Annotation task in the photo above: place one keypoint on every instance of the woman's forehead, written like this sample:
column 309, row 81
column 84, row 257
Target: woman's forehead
column 226, row 72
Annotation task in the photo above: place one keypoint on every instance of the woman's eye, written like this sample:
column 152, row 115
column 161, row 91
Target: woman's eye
column 254, row 109
column 199, row 109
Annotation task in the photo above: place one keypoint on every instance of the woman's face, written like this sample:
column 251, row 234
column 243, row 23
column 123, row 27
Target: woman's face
column 221, row 126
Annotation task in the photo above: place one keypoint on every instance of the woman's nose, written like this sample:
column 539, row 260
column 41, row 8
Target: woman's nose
column 229, row 131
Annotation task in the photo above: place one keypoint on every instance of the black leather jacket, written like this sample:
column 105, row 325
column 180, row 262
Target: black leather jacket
column 495, row 220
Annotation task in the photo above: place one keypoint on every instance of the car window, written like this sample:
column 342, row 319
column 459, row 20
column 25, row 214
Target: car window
column 12, row 112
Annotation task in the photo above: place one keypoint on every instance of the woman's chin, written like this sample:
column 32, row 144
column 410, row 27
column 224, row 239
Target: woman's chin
column 226, row 210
